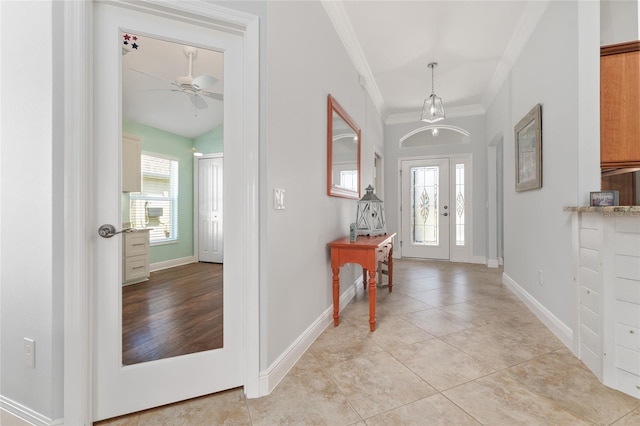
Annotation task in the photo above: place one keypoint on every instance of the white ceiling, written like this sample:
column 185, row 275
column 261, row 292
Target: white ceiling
column 171, row 111
column 474, row 42
column 390, row 42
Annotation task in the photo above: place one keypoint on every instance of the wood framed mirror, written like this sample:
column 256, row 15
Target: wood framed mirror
column 343, row 152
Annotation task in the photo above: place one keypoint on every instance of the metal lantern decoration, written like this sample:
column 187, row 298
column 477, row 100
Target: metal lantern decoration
column 370, row 215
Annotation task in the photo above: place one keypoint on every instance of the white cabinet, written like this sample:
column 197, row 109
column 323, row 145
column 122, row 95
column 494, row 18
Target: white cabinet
column 135, row 257
column 131, row 164
column 607, row 262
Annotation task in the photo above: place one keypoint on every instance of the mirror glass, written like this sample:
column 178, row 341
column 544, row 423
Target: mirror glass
column 343, row 142
column 172, row 128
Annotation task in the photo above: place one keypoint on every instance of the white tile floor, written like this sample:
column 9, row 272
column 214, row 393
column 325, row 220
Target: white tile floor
column 453, row 346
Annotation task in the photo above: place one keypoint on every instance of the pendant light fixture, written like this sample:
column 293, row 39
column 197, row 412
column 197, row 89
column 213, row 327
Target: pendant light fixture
column 432, row 110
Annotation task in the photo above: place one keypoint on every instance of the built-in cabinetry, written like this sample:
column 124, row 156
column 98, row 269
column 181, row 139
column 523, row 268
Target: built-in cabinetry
column 607, row 273
column 620, row 105
column 131, row 164
column 135, row 256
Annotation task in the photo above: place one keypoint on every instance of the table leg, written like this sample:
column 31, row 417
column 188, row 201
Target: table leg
column 364, row 278
column 336, row 296
column 372, row 300
column 390, row 268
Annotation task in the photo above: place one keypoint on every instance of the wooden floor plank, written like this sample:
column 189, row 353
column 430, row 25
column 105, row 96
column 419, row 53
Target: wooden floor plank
column 177, row 312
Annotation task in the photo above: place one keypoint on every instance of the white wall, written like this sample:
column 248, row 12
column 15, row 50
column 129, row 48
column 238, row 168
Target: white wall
column 556, row 68
column 619, row 21
column 477, row 147
column 306, row 61
column 30, row 184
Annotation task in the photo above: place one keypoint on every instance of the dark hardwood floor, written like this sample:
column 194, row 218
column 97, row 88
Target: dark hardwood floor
column 177, row 312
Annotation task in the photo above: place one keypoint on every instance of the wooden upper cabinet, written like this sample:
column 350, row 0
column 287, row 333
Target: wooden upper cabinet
column 620, row 105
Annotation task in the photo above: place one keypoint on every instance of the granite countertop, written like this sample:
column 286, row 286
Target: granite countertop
column 607, row 210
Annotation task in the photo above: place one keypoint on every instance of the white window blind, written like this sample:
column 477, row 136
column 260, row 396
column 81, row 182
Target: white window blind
column 349, row 179
column 156, row 207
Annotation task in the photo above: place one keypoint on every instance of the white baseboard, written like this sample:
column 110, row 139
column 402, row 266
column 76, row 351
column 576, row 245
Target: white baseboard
column 493, row 263
column 11, row 409
column 273, row 375
column 172, row 263
column 501, row 261
column 553, row 323
column 468, row 259
column 482, row 260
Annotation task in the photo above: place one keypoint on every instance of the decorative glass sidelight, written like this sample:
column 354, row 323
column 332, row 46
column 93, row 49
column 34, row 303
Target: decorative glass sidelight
column 424, row 202
column 460, row 205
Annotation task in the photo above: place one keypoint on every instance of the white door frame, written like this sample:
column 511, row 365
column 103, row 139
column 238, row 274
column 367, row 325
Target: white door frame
column 196, row 202
column 78, row 222
column 456, row 253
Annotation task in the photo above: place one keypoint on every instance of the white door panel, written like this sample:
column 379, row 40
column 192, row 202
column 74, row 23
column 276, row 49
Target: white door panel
column 210, row 239
column 118, row 389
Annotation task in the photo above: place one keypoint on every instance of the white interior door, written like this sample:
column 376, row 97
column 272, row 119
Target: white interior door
column 210, row 229
column 426, row 212
column 122, row 389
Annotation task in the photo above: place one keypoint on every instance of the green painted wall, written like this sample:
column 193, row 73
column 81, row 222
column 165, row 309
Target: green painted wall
column 160, row 142
column 210, row 142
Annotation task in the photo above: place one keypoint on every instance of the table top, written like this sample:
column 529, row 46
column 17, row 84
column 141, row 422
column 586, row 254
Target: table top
column 363, row 241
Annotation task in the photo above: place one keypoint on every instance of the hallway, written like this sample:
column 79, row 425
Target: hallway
column 453, row 347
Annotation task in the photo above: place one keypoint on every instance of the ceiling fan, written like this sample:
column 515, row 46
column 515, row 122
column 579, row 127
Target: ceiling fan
column 194, row 88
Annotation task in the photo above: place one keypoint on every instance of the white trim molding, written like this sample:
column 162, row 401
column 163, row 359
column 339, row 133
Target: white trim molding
column 27, row 415
column 272, row 376
column 171, row 263
column 344, row 29
column 78, row 218
column 553, row 323
column 78, row 77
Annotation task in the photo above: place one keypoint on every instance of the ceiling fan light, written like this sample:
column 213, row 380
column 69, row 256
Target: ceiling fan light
column 432, row 110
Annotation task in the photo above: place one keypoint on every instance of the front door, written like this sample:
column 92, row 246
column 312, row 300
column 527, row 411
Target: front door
column 426, row 212
column 120, row 389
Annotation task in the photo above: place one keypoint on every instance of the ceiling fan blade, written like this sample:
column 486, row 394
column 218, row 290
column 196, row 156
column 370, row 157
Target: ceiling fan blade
column 204, row 81
column 198, row 102
column 154, row 76
column 216, row 96
column 160, row 90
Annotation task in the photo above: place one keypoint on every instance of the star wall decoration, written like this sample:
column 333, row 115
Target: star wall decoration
column 129, row 43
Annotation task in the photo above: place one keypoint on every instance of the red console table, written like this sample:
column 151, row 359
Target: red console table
column 366, row 251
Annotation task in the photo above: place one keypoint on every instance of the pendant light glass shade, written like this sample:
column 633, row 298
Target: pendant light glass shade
column 432, row 110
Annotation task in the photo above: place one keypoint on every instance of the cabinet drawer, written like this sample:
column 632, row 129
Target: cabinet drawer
column 136, row 243
column 628, row 361
column 136, row 267
column 627, row 383
column 590, row 299
column 628, row 336
column 627, row 313
column 590, row 319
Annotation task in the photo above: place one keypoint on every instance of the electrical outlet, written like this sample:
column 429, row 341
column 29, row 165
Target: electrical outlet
column 540, row 281
column 29, row 352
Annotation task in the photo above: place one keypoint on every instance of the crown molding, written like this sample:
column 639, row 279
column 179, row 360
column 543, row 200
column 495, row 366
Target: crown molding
column 414, row 116
column 342, row 24
column 526, row 25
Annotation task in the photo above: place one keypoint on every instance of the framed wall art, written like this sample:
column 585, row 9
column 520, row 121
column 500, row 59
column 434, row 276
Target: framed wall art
column 528, row 137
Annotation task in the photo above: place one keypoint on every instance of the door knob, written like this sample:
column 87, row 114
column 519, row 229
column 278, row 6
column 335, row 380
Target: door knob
column 445, row 214
column 107, row 230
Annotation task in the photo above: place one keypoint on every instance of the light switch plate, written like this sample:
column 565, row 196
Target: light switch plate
column 278, row 198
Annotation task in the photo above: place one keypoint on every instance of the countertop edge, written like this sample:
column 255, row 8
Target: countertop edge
column 606, row 210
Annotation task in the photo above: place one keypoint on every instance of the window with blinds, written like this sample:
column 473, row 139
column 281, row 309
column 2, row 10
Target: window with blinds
column 156, row 207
